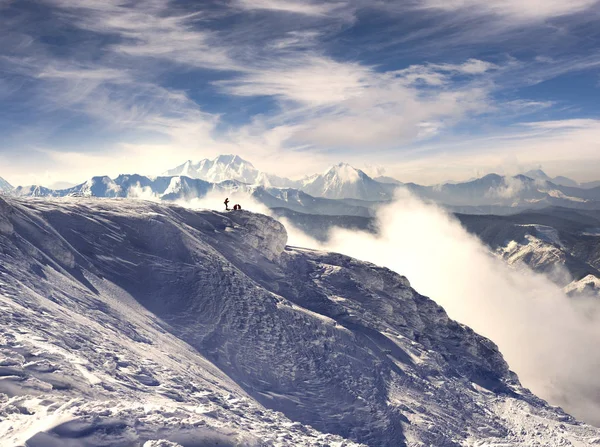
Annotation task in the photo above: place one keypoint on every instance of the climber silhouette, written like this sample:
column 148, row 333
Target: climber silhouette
column 226, row 204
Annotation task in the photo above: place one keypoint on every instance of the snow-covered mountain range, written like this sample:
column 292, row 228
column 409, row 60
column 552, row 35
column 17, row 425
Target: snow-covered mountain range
column 516, row 192
column 538, row 174
column 126, row 322
column 342, row 182
column 228, row 167
column 338, row 182
column 185, row 188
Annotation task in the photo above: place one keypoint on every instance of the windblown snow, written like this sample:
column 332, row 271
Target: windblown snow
column 126, row 323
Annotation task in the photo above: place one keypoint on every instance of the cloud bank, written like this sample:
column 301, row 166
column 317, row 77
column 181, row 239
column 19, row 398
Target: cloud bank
column 547, row 338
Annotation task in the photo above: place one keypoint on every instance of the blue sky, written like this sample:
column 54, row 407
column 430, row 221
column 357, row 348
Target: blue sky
column 427, row 90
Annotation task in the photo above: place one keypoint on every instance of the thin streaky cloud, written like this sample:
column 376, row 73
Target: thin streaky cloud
column 292, row 6
column 150, row 29
column 517, row 10
column 278, row 78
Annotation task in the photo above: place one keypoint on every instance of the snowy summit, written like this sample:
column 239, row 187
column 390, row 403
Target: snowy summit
column 342, row 181
column 220, row 169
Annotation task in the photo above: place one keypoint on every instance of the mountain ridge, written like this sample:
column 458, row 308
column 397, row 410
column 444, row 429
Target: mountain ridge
column 340, row 182
column 227, row 167
column 323, row 339
column 5, row 186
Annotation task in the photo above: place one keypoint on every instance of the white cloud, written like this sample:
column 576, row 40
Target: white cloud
column 390, row 114
column 79, row 73
column 511, row 188
column 309, row 80
column 294, row 6
column 151, row 29
column 335, row 104
column 547, row 338
column 564, row 124
column 470, row 67
column 517, row 10
column 568, row 147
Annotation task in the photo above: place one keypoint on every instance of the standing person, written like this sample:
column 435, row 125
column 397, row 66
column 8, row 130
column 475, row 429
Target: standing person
column 226, row 204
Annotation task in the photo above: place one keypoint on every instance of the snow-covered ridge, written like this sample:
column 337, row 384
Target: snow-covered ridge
column 588, row 286
column 126, row 321
column 5, row 186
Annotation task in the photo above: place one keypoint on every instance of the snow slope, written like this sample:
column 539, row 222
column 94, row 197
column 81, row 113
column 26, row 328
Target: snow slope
column 590, row 285
column 127, row 321
column 5, row 186
column 83, row 362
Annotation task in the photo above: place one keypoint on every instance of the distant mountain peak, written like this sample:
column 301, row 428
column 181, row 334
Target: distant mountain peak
column 538, row 174
column 231, row 159
column 5, row 186
column 345, row 172
column 343, row 181
column 388, row 180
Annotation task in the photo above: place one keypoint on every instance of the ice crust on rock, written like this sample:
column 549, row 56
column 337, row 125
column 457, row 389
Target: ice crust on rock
column 127, row 323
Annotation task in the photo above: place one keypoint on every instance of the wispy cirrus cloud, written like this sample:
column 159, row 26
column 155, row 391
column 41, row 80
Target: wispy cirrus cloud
column 308, row 80
column 345, row 105
column 567, row 147
column 278, row 77
column 309, row 8
column 151, row 29
column 517, row 10
column 568, row 124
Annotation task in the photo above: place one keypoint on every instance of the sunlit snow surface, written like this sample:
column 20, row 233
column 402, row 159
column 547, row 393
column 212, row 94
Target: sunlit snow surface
column 123, row 322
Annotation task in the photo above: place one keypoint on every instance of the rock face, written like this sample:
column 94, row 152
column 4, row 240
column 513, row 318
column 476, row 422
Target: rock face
column 124, row 322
